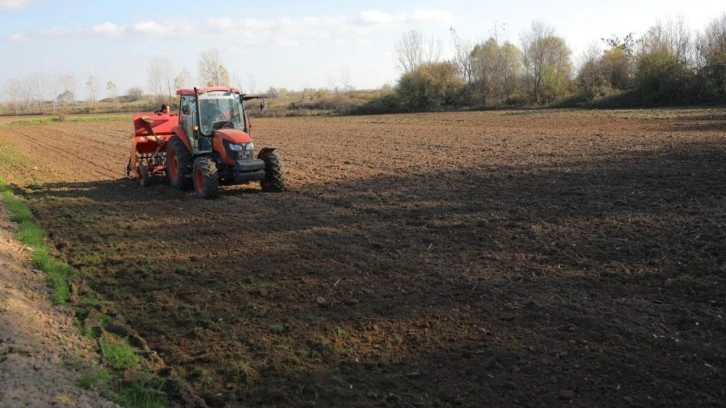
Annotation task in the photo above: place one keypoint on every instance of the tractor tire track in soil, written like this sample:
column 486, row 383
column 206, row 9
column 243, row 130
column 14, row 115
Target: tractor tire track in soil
column 526, row 258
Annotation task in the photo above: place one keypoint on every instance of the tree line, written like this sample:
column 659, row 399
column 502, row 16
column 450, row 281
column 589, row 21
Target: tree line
column 36, row 93
column 668, row 65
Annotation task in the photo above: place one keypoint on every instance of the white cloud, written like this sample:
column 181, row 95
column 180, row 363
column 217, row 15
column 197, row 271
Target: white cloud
column 285, row 31
column 284, row 42
column 60, row 31
column 380, row 18
column 14, row 4
column 223, row 23
column 18, row 37
column 152, row 27
column 430, row 16
column 107, row 29
column 376, row 17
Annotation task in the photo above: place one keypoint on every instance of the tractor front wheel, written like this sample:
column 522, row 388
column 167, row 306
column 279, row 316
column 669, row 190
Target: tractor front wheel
column 144, row 177
column 206, row 180
column 179, row 165
column 274, row 180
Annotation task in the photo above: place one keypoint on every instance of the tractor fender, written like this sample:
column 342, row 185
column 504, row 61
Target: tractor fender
column 179, row 131
column 265, row 150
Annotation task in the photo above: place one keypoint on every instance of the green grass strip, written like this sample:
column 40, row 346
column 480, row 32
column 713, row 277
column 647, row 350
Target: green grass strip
column 118, row 354
column 32, row 235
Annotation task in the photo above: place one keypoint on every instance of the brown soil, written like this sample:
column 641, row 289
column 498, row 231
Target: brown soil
column 41, row 352
column 461, row 259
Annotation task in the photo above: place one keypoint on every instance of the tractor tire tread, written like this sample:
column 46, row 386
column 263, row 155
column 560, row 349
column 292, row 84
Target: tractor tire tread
column 144, row 176
column 208, row 177
column 274, row 180
column 184, row 165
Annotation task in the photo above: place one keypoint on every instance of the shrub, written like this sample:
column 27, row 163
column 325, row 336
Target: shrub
column 430, row 86
column 661, row 78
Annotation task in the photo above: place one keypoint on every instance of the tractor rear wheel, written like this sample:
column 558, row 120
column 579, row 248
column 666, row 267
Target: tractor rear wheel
column 206, row 180
column 274, row 180
column 179, row 165
column 144, row 177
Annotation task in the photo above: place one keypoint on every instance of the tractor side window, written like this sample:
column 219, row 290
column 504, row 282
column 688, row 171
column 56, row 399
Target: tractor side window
column 188, row 117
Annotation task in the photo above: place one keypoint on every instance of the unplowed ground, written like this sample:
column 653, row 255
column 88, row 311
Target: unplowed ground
column 529, row 258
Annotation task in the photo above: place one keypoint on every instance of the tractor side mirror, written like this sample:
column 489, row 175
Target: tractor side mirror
column 263, row 105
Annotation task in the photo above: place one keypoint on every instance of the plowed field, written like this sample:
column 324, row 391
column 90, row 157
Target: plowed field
column 529, row 258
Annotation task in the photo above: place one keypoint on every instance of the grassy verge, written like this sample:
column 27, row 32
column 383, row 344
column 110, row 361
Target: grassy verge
column 142, row 390
column 31, row 234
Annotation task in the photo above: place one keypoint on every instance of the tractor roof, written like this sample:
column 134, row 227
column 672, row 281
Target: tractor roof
column 190, row 91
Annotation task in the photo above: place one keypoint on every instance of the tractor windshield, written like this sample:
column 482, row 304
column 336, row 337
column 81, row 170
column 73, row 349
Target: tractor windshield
column 220, row 109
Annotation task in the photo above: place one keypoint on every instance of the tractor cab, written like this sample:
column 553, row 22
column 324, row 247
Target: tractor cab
column 206, row 110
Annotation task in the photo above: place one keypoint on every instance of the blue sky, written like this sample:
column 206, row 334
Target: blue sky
column 285, row 43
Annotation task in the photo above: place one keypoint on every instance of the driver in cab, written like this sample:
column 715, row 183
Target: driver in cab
column 210, row 113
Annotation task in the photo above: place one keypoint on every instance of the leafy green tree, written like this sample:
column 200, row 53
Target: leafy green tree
column 664, row 73
column 430, row 86
column 618, row 68
column 661, row 77
column 590, row 79
column 484, row 59
column 495, row 70
column 547, row 66
column 618, row 62
column 134, row 93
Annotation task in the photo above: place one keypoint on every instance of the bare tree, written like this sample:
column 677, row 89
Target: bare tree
column 37, row 88
column 161, row 79
column 182, row 79
column 235, row 80
column 211, row 70
column 462, row 55
column 345, row 80
column 712, row 43
column 711, row 56
column 92, row 85
column 669, row 36
column 112, row 91
column 412, row 50
column 547, row 65
column 251, row 82
column 223, row 76
column 15, row 90
column 332, row 83
column 55, row 88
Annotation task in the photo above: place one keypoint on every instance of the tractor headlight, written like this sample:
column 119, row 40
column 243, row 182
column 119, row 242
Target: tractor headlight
column 236, row 148
column 250, row 147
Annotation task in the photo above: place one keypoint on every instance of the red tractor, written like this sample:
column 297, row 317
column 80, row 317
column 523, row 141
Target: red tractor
column 207, row 143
